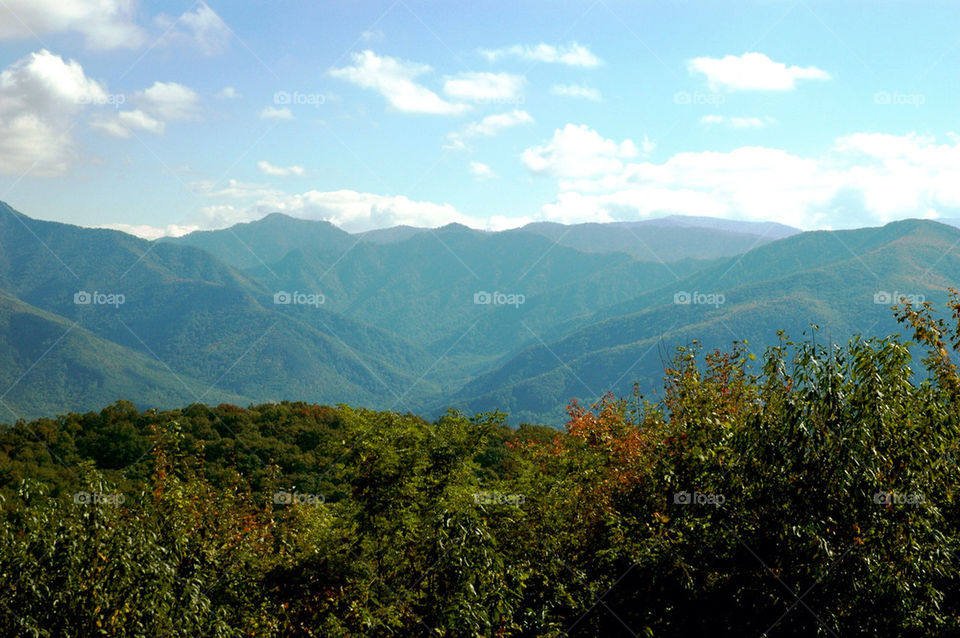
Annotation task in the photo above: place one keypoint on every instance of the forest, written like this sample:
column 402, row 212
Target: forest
column 808, row 492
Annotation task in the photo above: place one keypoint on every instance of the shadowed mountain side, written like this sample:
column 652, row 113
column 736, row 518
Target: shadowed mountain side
column 48, row 363
column 843, row 298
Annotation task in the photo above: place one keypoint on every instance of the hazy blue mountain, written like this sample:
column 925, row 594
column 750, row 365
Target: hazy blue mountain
column 202, row 318
column 665, row 239
column 390, row 235
column 423, row 289
column 266, row 240
column 843, row 282
column 260, row 243
column 770, row 230
column 48, row 363
column 423, row 320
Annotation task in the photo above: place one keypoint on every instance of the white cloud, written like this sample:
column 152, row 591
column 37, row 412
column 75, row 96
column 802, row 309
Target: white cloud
column 280, row 171
column 170, row 101
column 578, row 151
column 864, row 179
column 489, row 126
column 394, row 80
column 274, row 113
column 576, row 90
column 228, row 93
column 125, row 121
column 146, row 231
column 753, row 72
column 207, row 29
column 202, row 29
column 485, row 87
column 481, row 170
column 355, row 211
column 351, row 210
column 161, row 102
column 234, row 189
column 40, row 97
column 735, row 121
column 571, row 54
column 104, row 24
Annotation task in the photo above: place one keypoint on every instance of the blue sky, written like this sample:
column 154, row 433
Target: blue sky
column 161, row 118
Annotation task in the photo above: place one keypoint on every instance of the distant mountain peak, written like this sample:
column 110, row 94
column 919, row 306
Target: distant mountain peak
column 457, row 227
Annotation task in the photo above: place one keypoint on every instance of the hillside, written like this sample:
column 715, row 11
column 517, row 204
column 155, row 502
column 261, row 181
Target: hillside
column 425, row 320
column 824, row 278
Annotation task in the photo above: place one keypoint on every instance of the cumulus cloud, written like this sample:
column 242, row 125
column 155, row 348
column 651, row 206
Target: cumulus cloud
column 200, row 29
column 207, row 29
column 485, row 87
column 395, row 80
column 863, row 179
column 576, row 90
column 753, row 72
column 170, row 101
column 124, row 122
column 280, row 171
column 228, row 93
column 578, row 151
column 481, row 170
column 40, row 96
column 104, row 24
column 488, row 126
column 571, row 54
column 160, row 103
column 351, row 210
column 146, row 231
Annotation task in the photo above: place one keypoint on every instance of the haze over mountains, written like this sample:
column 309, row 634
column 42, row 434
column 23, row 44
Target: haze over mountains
column 426, row 319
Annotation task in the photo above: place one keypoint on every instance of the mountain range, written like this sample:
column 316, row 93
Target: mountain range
column 420, row 320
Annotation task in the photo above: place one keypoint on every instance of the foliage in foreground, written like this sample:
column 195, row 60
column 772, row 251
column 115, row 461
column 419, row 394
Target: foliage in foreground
column 816, row 497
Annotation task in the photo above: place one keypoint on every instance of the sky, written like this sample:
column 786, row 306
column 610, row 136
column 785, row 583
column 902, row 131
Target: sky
column 161, row 118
